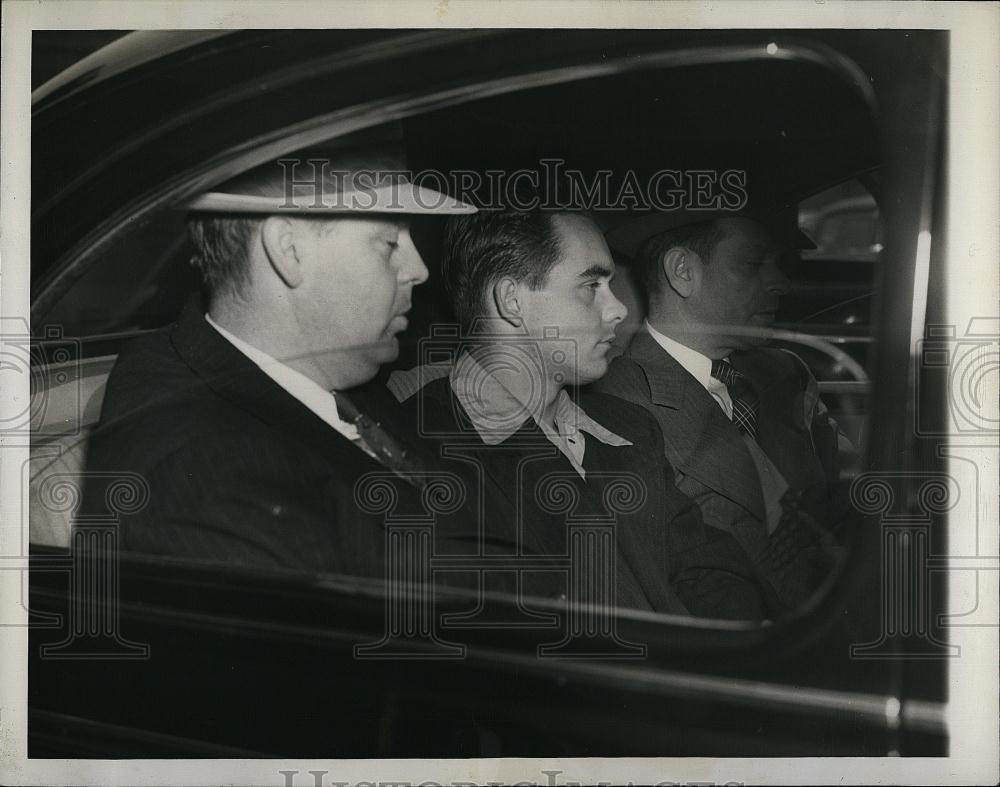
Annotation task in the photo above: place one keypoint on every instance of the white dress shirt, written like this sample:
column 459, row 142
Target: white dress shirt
column 698, row 366
column 320, row 401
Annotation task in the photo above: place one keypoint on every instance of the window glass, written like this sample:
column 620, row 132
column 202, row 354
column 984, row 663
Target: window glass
column 843, row 221
column 139, row 282
column 831, row 296
column 141, row 278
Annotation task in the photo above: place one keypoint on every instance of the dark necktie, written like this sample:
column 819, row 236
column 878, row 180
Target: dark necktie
column 745, row 399
column 380, row 442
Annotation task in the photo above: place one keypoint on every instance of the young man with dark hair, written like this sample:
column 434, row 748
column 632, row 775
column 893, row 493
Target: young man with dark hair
column 533, row 293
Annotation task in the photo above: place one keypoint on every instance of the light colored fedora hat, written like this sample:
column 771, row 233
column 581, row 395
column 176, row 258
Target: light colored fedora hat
column 363, row 172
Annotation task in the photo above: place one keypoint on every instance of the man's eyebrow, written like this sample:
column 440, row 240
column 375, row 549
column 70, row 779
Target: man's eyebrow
column 596, row 271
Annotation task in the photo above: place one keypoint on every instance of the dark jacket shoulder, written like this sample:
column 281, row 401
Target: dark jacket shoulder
column 156, row 404
column 625, row 379
column 624, row 418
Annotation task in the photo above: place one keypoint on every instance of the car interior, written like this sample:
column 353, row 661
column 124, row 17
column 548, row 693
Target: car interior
column 796, row 129
column 796, row 113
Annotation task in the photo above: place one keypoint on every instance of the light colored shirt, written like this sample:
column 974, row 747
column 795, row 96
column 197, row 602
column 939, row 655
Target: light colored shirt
column 317, row 399
column 498, row 408
column 772, row 483
column 698, row 366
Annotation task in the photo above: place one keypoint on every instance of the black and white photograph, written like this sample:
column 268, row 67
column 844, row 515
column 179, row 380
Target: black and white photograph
column 467, row 393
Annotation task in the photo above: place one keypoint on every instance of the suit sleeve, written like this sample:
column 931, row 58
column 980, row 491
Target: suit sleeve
column 227, row 501
column 708, row 569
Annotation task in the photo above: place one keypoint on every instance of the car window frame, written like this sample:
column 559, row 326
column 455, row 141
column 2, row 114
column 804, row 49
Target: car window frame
column 357, row 117
column 798, row 627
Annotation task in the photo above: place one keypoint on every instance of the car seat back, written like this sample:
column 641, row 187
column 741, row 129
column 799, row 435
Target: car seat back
column 67, row 414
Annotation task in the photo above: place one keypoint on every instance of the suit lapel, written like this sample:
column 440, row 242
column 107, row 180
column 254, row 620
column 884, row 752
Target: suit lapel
column 235, row 377
column 700, row 441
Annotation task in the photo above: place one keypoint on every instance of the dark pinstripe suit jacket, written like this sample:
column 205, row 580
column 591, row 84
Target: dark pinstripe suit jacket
column 238, row 471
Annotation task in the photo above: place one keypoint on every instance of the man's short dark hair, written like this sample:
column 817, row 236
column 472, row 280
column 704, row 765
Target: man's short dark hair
column 699, row 238
column 480, row 249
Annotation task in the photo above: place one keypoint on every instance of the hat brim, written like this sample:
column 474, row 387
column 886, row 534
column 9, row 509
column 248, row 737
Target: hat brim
column 399, row 197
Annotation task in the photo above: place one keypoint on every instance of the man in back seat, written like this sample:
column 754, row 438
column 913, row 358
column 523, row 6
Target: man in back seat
column 532, row 291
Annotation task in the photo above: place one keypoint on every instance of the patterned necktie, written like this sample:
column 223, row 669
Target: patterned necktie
column 745, row 399
column 377, row 440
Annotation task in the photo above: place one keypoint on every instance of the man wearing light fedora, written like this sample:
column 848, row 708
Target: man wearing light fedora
column 742, row 423
column 236, row 415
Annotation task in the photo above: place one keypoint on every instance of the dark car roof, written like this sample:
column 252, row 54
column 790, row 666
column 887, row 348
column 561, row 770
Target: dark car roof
column 155, row 117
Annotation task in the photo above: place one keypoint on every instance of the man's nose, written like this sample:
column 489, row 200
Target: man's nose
column 412, row 265
column 616, row 311
column 777, row 281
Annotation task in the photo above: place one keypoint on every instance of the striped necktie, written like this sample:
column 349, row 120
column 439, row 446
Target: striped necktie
column 377, row 441
column 745, row 399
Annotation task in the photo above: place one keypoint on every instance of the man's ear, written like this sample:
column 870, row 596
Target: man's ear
column 278, row 236
column 682, row 270
column 506, row 302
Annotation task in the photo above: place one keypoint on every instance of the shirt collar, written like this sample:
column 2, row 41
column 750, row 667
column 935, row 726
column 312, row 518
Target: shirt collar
column 697, row 365
column 498, row 409
column 296, row 384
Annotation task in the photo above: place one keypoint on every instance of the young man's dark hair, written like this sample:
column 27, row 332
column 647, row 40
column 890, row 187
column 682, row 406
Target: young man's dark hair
column 480, row 249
